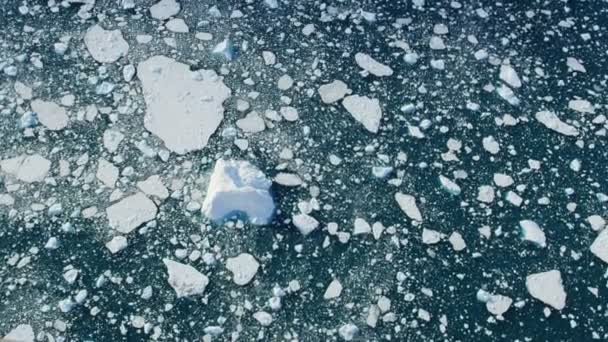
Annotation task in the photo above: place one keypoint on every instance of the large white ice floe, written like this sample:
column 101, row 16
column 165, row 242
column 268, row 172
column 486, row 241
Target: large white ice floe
column 552, row 121
column 29, row 169
column 185, row 279
column 548, row 288
column 243, row 267
column 238, row 187
column 184, row 107
column 365, row 110
column 105, row 46
column 131, row 212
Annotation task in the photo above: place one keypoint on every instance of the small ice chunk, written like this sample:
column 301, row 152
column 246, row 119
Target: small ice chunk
column 177, row 25
column 508, row 95
column 131, row 212
column 22, row 90
column 509, row 76
column 575, row 65
column 490, row 144
column 485, row 194
column 226, row 48
column 502, row 180
column 251, row 123
column 599, row 247
column 112, row 139
column 365, row 110
column 184, row 107
column 117, row 244
column 367, row 63
column 361, row 227
column 21, row 333
column 285, row 82
column 29, row 169
column 581, row 106
column 185, row 279
column 243, row 267
column 440, row 29
column 269, row 57
column 50, row 114
column 430, row 237
column 263, row 317
column 164, row 9
column 436, row 43
column 306, row 224
column 238, row 187
column 457, row 242
column 552, row 121
column 348, row 331
column 307, row 30
column 548, row 288
column 597, row 222
column 407, row 203
column 495, row 304
column 333, row 290
column 531, row 231
column 107, row 173
column 334, row 91
column 105, row 46
column 288, row 179
column 448, row 185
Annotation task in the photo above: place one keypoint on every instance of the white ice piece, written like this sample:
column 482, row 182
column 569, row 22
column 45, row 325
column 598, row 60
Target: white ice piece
column 131, row 212
column 185, row 279
column 21, row 333
column 306, row 224
column 367, row 63
column 509, row 75
column 449, row 185
column 184, row 107
column 105, row 46
column 581, row 106
column 164, row 9
column 599, row 247
column 334, row 91
column 238, row 187
column 531, row 231
column 348, row 331
column 29, row 169
column 50, row 114
column 117, row 244
column 407, row 203
column 177, row 25
column 107, row 173
column 575, row 65
column 430, row 237
column 288, row 179
column 552, row 121
column 243, row 267
column 365, row 110
column 334, row 289
column 548, row 288
column 251, row 123
column 361, row 227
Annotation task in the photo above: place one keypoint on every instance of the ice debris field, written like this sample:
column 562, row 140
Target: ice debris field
column 276, row 170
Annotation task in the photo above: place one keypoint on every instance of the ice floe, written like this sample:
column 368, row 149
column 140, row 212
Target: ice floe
column 238, row 187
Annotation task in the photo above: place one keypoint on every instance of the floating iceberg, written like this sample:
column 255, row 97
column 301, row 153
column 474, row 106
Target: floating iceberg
column 238, row 187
